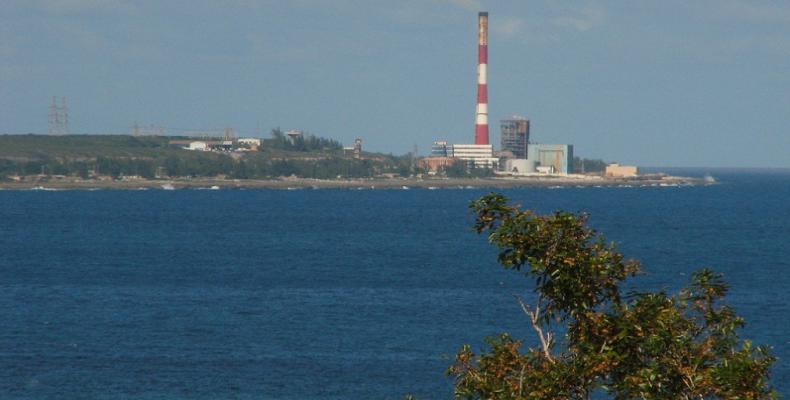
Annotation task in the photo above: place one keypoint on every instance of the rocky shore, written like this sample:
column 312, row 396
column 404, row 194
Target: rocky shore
column 372, row 183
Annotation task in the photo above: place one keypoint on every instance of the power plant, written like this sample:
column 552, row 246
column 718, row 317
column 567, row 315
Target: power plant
column 518, row 154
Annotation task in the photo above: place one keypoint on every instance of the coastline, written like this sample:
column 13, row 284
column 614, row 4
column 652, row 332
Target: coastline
column 369, row 183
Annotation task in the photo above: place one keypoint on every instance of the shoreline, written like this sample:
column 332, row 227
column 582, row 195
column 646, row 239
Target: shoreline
column 370, row 183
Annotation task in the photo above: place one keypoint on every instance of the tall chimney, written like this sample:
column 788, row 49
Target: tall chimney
column 481, row 114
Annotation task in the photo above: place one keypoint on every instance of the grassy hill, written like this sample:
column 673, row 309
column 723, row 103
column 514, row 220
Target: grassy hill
column 88, row 156
column 83, row 146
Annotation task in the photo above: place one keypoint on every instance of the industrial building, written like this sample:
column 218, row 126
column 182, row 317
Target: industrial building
column 198, row 146
column 552, row 158
column 435, row 164
column 355, row 150
column 621, row 171
column 250, row 141
column 440, row 148
column 515, row 136
column 478, row 155
column 444, row 154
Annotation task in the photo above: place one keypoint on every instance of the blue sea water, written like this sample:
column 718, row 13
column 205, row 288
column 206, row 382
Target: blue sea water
column 346, row 294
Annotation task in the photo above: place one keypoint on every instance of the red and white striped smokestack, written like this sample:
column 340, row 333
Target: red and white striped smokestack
column 481, row 115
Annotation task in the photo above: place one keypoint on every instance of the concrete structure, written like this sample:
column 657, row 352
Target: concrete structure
column 440, row 148
column 250, row 141
column 357, row 148
column 481, row 112
column 198, row 146
column 435, row 164
column 479, row 155
column 621, row 171
column 519, row 166
column 515, row 136
column 559, row 156
column 294, row 134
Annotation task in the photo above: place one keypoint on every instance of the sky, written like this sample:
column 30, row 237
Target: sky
column 651, row 83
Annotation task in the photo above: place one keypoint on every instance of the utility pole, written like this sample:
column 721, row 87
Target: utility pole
column 414, row 160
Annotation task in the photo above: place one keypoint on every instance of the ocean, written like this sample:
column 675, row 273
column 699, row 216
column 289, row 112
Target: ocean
column 332, row 294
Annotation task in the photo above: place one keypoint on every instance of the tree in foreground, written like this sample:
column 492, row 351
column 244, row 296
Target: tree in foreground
column 635, row 346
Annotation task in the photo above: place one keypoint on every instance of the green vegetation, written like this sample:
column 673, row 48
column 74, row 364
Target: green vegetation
column 83, row 146
column 305, row 142
column 88, row 156
column 463, row 170
column 584, row 165
column 628, row 346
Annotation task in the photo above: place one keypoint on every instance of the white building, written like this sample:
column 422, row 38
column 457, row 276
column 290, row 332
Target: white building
column 481, row 155
column 198, row 146
column 250, row 141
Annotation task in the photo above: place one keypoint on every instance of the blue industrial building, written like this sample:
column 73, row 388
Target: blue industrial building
column 557, row 156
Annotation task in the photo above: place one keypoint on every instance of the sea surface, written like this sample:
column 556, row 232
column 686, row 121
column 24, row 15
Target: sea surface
column 332, row 294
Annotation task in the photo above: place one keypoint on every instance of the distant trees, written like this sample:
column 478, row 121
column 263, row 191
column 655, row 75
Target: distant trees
column 150, row 157
column 200, row 164
column 302, row 143
column 581, row 165
column 462, row 169
column 647, row 345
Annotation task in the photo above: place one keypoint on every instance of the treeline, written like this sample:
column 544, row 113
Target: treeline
column 304, row 142
column 462, row 170
column 117, row 156
column 583, row 165
column 77, row 146
column 202, row 164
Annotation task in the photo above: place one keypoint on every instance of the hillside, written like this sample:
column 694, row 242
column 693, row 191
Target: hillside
column 81, row 146
column 92, row 156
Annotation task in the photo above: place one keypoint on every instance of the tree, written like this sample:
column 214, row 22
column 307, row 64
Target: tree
column 636, row 346
column 588, row 165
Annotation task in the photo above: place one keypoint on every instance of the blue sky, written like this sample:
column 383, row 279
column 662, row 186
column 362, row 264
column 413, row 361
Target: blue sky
column 658, row 83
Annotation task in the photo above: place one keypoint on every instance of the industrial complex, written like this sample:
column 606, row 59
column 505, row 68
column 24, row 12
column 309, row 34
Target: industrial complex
column 518, row 155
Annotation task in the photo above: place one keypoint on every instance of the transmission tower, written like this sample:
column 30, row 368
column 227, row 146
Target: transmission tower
column 58, row 117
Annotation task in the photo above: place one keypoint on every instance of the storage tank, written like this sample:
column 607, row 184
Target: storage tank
column 520, row 166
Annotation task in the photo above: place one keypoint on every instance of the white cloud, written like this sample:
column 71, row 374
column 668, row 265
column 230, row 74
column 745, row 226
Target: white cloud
column 581, row 19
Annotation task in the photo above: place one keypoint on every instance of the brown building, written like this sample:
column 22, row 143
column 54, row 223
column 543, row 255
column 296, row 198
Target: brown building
column 621, row 171
column 436, row 164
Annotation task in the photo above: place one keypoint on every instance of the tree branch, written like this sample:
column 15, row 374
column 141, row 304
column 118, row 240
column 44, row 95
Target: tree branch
column 534, row 316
